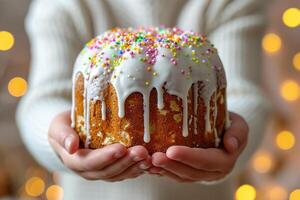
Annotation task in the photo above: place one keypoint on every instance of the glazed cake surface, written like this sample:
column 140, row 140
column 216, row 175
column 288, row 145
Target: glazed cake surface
column 150, row 86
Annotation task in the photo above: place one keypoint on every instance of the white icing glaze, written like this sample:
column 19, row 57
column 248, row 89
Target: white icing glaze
column 103, row 109
column 217, row 139
column 130, row 76
column 87, row 100
column 196, row 88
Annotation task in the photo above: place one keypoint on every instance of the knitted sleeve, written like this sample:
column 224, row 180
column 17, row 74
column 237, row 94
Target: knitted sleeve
column 54, row 47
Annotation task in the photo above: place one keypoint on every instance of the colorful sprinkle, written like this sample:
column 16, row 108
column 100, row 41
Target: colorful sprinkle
column 149, row 68
column 144, row 42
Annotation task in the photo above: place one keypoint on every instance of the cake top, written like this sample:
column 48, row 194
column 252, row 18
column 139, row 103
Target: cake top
column 143, row 43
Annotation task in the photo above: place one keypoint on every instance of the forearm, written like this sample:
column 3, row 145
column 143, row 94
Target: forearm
column 54, row 47
column 238, row 42
column 253, row 106
column 34, row 115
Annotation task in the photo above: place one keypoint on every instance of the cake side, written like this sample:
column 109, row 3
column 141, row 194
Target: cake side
column 165, row 124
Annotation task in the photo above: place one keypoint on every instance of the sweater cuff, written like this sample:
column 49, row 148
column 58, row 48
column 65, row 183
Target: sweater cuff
column 33, row 121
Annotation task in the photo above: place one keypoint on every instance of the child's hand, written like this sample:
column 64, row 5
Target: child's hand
column 185, row 164
column 111, row 163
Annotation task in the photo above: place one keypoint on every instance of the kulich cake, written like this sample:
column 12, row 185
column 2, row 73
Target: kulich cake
column 150, row 86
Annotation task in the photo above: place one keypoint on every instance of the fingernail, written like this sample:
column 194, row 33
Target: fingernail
column 137, row 158
column 234, row 143
column 68, row 142
column 119, row 154
column 144, row 166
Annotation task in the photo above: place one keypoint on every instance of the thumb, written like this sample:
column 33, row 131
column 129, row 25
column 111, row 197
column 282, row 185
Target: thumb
column 62, row 133
column 235, row 138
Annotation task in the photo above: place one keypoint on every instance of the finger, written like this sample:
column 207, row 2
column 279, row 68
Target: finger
column 210, row 159
column 154, row 170
column 61, row 132
column 161, row 172
column 134, row 155
column 133, row 171
column 182, row 170
column 92, row 160
column 235, row 138
column 174, row 177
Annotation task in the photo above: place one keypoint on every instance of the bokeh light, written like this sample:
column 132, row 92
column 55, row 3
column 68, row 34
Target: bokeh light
column 35, row 186
column 285, row 140
column 262, row 162
column 296, row 61
column 245, row 192
column 290, row 90
column 17, row 87
column 295, row 195
column 54, row 192
column 291, row 17
column 276, row 192
column 6, row 40
column 271, row 43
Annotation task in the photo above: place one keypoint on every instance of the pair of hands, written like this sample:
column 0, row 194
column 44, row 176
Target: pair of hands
column 116, row 163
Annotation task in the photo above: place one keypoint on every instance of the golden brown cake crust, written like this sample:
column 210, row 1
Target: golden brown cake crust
column 165, row 124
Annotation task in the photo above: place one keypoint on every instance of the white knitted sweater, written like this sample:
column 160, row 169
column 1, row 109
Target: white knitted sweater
column 58, row 29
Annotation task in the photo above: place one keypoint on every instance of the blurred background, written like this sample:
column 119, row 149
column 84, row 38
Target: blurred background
column 272, row 173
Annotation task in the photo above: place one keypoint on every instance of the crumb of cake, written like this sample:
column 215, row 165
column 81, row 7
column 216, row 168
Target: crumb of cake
column 108, row 140
column 125, row 138
column 152, row 128
column 177, row 118
column 174, row 106
column 133, row 101
column 126, row 126
column 80, row 120
column 163, row 112
column 100, row 134
column 173, row 136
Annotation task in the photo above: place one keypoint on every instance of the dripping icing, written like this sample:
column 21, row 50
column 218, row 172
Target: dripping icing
column 196, row 88
column 103, row 109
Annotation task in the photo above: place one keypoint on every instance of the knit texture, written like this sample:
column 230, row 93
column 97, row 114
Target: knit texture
column 58, row 30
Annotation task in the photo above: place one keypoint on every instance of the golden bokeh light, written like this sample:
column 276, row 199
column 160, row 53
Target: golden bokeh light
column 35, row 186
column 276, row 192
column 271, row 43
column 285, row 140
column 17, row 87
column 262, row 162
column 296, row 61
column 291, row 17
column 290, row 90
column 54, row 192
column 6, row 40
column 295, row 195
column 245, row 192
